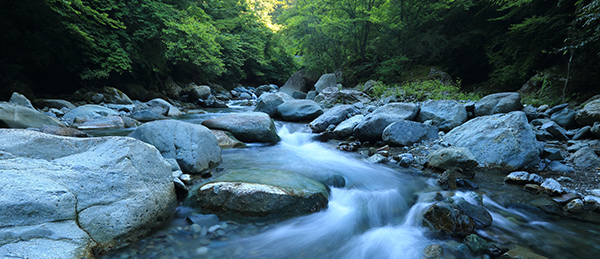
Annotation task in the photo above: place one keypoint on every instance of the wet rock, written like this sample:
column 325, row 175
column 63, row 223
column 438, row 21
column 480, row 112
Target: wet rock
column 444, row 114
column 433, row 252
column 574, row 206
column 521, row 253
column 452, row 157
column 203, row 220
column 503, row 140
column 180, row 189
column 298, row 95
column 552, row 187
column 265, row 89
column 193, row 146
column 556, row 130
column 299, row 110
column 406, row 160
column 476, row 243
column 79, row 194
column 498, row 103
column 333, row 116
column 63, row 131
column 445, row 218
column 448, row 180
column 533, row 188
column 247, row 127
column 585, row 158
column 535, row 179
column 268, row 103
column 595, row 130
column 345, row 128
column 406, row 133
column 326, row 80
column 19, row 99
column 372, row 126
column 589, row 114
column 254, row 193
column 478, row 213
column 17, row 116
column 336, row 180
column 227, row 140
column 519, row 177
column 377, row 159
column 531, row 112
column 565, row 118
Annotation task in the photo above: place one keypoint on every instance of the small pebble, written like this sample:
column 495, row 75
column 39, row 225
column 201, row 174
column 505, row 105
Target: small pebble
column 202, row 250
column 195, row 228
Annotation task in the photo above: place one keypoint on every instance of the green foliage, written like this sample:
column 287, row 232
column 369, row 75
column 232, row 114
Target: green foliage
column 422, row 90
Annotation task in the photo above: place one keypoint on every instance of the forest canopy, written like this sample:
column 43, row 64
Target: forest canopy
column 58, row 46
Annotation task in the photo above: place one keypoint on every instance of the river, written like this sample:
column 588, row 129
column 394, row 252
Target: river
column 376, row 215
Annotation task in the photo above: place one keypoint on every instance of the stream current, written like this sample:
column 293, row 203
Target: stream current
column 376, row 215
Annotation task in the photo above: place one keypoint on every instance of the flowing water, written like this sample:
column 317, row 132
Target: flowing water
column 376, row 215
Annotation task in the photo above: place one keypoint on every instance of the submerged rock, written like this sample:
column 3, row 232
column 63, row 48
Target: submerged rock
column 254, row 193
column 247, row 127
column 445, row 218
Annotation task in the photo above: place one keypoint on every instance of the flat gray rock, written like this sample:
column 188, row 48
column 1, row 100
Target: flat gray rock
column 246, row 127
column 444, row 114
column 405, row 133
column 498, row 103
column 333, row 116
column 18, row 116
column 299, row 110
column 372, row 126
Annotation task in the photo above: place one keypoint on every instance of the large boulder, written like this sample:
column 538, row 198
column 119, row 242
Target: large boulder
column 406, row 133
column 589, row 114
column 498, row 103
column 501, row 140
column 255, row 193
column 88, row 111
column 333, row 116
column 18, row 116
column 299, row 110
column 372, row 126
column 268, row 103
column 114, row 95
column 565, row 118
column 195, row 92
column 444, row 114
column 301, row 81
column 63, row 197
column 326, row 80
column 195, row 147
column 20, row 99
column 247, row 127
column 445, row 218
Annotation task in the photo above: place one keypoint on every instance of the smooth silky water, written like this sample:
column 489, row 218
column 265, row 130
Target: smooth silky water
column 376, row 215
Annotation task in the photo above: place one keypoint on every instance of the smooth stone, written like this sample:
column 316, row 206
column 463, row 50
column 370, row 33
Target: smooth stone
column 552, row 187
column 299, row 110
column 20, row 99
column 498, row 103
column 54, row 103
column 260, row 193
column 227, row 140
column 560, row 167
column 63, row 131
column 246, row 127
column 89, row 111
column 521, row 253
column 446, row 219
column 345, row 128
column 574, row 206
column 519, row 177
column 268, row 103
column 452, row 157
column 193, row 146
column 326, row 80
column 333, row 116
